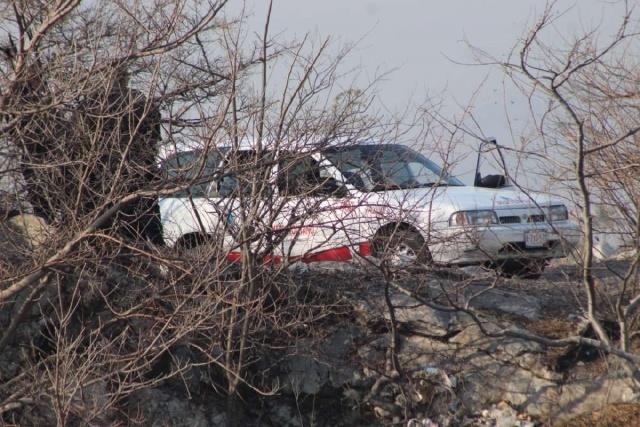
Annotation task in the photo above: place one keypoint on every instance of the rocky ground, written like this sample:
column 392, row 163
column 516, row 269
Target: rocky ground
column 444, row 370
column 450, row 373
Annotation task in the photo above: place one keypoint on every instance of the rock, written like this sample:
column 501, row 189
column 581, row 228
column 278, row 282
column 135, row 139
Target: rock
column 342, row 341
column 33, row 230
column 420, row 317
column 284, row 415
column 341, row 375
column 160, row 408
column 217, row 419
column 409, row 311
column 306, row 375
column 192, row 377
column 581, row 397
column 308, row 371
column 92, row 403
column 10, row 359
column 487, row 380
column 491, row 377
column 373, row 352
column 484, row 298
column 332, row 267
column 473, row 335
column 504, row 415
column 418, row 351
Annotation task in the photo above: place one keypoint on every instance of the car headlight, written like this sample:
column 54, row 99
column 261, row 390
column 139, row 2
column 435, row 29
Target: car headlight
column 484, row 217
column 558, row 213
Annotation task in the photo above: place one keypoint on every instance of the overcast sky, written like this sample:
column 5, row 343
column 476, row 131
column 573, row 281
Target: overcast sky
column 420, row 41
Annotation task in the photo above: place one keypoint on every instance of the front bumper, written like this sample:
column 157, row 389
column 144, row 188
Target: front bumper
column 478, row 245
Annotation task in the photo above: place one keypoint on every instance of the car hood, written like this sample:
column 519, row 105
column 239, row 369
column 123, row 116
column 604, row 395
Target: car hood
column 446, row 200
column 493, row 198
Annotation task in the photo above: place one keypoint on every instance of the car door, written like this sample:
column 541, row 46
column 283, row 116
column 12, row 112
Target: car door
column 245, row 199
column 189, row 210
column 316, row 205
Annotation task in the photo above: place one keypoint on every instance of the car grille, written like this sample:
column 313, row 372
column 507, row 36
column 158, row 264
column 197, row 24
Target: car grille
column 514, row 219
column 520, row 247
column 536, row 218
column 521, row 215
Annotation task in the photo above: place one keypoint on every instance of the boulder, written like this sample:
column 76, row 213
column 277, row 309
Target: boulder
column 506, row 369
column 409, row 312
column 282, row 414
column 309, row 370
column 372, row 353
column 581, row 397
column 482, row 297
column 306, row 374
column 342, row 341
column 162, row 408
column 503, row 415
column 32, row 230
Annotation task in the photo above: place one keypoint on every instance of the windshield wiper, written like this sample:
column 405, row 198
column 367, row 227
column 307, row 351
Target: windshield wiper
column 386, row 187
column 427, row 185
column 391, row 187
column 438, row 184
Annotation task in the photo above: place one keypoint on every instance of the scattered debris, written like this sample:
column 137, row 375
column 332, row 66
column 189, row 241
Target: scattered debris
column 422, row 422
column 503, row 415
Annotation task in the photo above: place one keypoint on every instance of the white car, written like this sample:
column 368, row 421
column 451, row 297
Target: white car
column 383, row 200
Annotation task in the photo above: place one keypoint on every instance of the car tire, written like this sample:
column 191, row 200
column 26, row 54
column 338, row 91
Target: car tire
column 521, row 268
column 401, row 248
column 193, row 245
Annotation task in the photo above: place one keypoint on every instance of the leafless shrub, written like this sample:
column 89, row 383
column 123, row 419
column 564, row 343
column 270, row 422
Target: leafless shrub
column 583, row 102
column 89, row 97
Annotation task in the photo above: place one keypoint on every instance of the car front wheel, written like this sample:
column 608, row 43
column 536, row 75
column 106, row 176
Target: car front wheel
column 401, row 248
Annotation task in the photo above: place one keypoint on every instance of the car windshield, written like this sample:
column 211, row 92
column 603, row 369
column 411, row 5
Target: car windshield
column 387, row 167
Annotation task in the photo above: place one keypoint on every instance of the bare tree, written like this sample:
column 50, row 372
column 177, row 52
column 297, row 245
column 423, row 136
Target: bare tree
column 92, row 100
column 89, row 97
column 584, row 105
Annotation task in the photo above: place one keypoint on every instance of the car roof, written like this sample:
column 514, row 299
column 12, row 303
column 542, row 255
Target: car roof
column 301, row 147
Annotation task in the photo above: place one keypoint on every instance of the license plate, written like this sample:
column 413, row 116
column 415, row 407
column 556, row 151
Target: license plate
column 535, row 239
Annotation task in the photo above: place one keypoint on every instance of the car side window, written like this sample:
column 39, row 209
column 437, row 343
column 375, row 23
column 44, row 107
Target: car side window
column 239, row 171
column 188, row 166
column 303, row 176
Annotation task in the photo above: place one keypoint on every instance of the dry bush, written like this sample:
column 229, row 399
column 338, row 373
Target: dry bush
column 90, row 97
column 583, row 98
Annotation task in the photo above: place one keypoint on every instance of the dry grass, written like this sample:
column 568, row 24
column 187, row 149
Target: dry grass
column 614, row 415
column 552, row 327
column 556, row 328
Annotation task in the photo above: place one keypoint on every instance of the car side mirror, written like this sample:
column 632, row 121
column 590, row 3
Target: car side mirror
column 490, row 181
